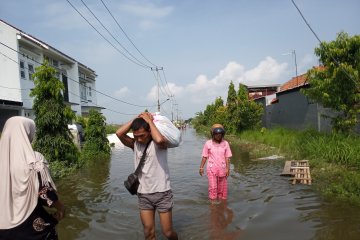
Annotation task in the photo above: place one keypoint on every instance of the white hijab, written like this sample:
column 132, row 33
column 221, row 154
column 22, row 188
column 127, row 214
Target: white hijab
column 19, row 165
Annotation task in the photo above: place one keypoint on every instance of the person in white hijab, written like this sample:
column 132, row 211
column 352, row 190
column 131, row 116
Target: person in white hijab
column 25, row 185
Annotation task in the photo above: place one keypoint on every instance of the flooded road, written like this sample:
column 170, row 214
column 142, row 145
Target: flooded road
column 261, row 204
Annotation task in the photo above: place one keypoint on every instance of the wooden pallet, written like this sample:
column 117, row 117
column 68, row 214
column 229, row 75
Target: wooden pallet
column 299, row 170
column 287, row 171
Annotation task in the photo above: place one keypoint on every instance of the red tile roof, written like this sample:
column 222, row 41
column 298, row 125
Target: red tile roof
column 294, row 83
column 297, row 81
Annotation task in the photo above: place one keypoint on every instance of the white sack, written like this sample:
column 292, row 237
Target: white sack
column 168, row 130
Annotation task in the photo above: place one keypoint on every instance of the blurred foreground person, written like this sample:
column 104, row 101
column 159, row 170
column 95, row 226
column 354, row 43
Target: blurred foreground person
column 25, row 186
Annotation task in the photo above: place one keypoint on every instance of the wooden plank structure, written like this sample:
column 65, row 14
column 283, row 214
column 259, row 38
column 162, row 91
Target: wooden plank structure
column 299, row 170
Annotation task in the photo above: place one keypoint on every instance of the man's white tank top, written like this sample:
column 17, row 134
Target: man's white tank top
column 154, row 176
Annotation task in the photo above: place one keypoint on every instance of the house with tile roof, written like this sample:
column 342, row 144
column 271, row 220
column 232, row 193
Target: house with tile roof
column 290, row 108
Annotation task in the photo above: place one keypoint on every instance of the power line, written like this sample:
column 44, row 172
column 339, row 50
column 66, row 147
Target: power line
column 166, row 84
column 164, row 88
column 75, row 80
column 104, row 107
column 157, row 79
column 329, row 54
column 126, row 34
column 112, row 34
column 25, row 89
column 141, row 65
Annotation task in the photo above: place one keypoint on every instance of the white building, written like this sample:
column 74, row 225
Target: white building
column 20, row 54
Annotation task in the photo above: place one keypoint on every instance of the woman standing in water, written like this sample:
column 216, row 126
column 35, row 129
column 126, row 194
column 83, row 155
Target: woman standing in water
column 216, row 152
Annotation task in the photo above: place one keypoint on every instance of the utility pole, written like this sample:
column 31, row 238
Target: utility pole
column 172, row 109
column 177, row 117
column 296, row 70
column 293, row 52
column 158, row 88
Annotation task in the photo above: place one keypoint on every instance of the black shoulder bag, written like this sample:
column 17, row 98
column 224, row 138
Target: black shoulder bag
column 132, row 182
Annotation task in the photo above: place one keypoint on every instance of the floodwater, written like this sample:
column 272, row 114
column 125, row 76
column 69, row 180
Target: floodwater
column 261, row 204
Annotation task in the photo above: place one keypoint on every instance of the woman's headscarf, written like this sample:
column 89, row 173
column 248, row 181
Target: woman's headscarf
column 19, row 168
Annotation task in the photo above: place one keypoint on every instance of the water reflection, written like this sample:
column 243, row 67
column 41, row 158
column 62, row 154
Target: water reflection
column 239, row 157
column 221, row 216
column 82, row 193
column 260, row 205
column 336, row 222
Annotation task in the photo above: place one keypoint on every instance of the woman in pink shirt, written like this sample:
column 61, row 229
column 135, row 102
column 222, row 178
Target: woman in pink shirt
column 217, row 152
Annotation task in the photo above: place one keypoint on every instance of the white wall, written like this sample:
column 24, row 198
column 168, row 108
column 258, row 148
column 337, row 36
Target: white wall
column 15, row 88
column 9, row 70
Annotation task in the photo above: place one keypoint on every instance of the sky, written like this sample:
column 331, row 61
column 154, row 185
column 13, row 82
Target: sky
column 182, row 54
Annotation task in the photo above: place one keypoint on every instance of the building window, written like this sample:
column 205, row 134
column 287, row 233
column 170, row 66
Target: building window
column 30, row 70
column 22, row 69
column 81, row 75
column 90, row 91
column 83, row 92
column 55, row 63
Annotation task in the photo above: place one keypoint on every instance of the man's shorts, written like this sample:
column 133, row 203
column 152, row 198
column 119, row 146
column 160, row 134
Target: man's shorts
column 160, row 201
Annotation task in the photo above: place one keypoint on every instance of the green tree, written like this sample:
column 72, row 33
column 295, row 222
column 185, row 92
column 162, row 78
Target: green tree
column 231, row 110
column 82, row 121
column 220, row 112
column 53, row 138
column 214, row 113
column 249, row 113
column 198, row 120
column 242, row 93
column 337, row 84
column 209, row 112
column 96, row 144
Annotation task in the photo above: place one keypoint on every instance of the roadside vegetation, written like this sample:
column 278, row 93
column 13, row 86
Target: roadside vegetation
column 53, row 137
column 337, row 84
column 111, row 128
column 334, row 157
column 96, row 147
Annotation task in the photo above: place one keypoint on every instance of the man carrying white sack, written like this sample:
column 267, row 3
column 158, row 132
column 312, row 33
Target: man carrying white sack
column 154, row 192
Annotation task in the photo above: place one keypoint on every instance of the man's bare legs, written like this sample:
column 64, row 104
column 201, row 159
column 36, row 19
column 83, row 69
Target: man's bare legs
column 167, row 226
column 148, row 221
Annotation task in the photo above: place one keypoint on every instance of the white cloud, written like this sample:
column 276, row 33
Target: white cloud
column 175, row 90
column 122, row 92
column 171, row 89
column 232, row 71
column 267, row 72
column 205, row 90
column 147, row 24
column 153, row 94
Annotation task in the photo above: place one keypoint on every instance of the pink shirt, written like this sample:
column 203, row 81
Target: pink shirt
column 216, row 153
